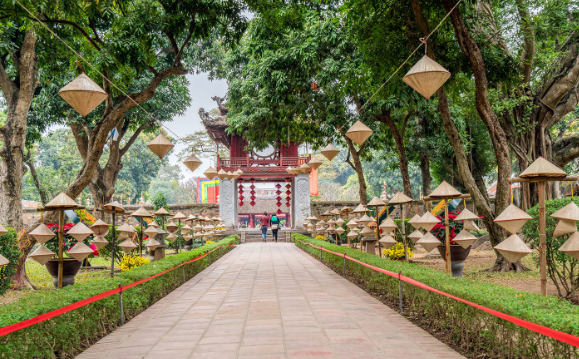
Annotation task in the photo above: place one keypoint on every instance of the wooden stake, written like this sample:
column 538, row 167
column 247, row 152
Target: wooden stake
column 403, row 232
column 447, row 236
column 114, row 215
column 60, row 247
column 542, row 237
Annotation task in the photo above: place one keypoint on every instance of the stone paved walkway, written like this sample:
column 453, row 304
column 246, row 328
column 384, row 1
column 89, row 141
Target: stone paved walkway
column 268, row 300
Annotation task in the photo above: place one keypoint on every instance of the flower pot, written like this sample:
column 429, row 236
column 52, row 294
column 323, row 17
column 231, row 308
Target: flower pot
column 457, row 257
column 70, row 268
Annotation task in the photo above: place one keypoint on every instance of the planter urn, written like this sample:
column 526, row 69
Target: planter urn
column 457, row 257
column 70, row 268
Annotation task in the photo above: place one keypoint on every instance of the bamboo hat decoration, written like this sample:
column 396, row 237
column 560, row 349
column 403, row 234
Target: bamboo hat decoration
column 186, row 228
column 376, row 202
column 314, row 163
column 359, row 133
column 387, row 241
column 416, row 235
column 388, row 225
column 512, row 219
column 141, row 212
column 513, row 248
column 340, row 230
column 366, row 231
column 99, row 242
column 171, row 227
column 428, row 221
column 100, row 228
column 340, row 221
column 171, row 237
column 305, row 168
column 542, row 168
column 352, row 234
column 160, row 145
column 335, row 211
column 428, row 242
column 42, row 233
column 192, row 162
column 80, row 231
column 426, row 76
column 571, row 246
column 42, row 254
column 235, row 175
column 352, row 224
column 570, row 211
column 360, row 209
column 80, row 251
column 465, row 238
column 364, row 220
column 229, row 175
column 415, row 221
column 221, row 174
column 346, row 210
column 330, row 151
column 471, row 226
column 179, row 215
column 210, row 173
column 400, row 198
column 61, row 201
column 444, row 190
column 162, row 212
column 114, row 206
column 289, row 170
column 127, row 245
column 565, row 226
column 466, row 215
column 153, row 224
column 152, row 244
column 3, row 261
column 83, row 94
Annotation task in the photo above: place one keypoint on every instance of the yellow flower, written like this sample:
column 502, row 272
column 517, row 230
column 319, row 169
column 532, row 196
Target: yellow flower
column 397, row 252
column 129, row 262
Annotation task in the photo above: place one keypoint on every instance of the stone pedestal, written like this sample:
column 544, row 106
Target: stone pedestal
column 159, row 252
column 227, row 203
column 301, row 200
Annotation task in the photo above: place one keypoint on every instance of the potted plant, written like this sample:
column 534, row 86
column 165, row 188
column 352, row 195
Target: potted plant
column 396, row 252
column 457, row 253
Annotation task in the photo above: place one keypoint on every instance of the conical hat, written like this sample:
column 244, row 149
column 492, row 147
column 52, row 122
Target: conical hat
column 366, row 231
column 305, row 168
column 466, row 215
column 513, row 248
column 210, row 173
column 428, row 221
column 359, row 133
column 198, row 227
column 192, row 162
column 61, row 201
column 376, row 202
column 153, row 224
column 565, row 226
column 83, row 94
column 388, row 225
column 543, row 168
column 428, row 241
column 160, row 145
column 352, row 234
column 126, row 228
column 141, row 212
column 331, row 222
column 415, row 221
column 340, row 221
column 197, row 234
column 400, row 198
column 80, row 251
column 340, row 230
column 387, row 241
column 3, row 230
column 335, row 211
column 114, row 206
column 3, row 260
column 321, row 223
column 221, row 174
column 471, row 226
column 42, row 233
column 364, row 220
column 465, row 239
column 80, row 231
column 100, row 228
column 187, row 237
column 346, row 210
column 570, row 211
column 314, row 163
column 127, row 245
column 171, row 227
column 171, row 237
column 41, row 254
column 352, row 224
column 445, row 191
column 152, row 244
column 426, row 76
column 571, row 246
column 360, row 209
column 99, row 242
column 330, row 151
column 162, row 212
column 512, row 218
column 415, row 235
column 186, row 228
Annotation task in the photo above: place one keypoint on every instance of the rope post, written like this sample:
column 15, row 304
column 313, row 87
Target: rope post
column 121, row 304
column 183, row 266
column 321, row 253
column 344, row 264
column 400, row 291
column 208, row 257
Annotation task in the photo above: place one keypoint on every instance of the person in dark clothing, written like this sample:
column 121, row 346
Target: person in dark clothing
column 264, row 222
column 274, row 221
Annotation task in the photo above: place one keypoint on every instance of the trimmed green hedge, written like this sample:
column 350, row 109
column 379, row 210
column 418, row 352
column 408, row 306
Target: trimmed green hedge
column 474, row 330
column 72, row 332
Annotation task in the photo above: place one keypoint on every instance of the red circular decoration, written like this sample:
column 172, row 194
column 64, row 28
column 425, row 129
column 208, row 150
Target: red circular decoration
column 279, row 211
column 241, row 203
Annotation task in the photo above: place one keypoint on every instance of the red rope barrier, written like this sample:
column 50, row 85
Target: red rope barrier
column 555, row 334
column 41, row 318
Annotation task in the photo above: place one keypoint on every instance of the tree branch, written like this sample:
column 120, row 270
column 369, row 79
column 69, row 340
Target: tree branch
column 133, row 138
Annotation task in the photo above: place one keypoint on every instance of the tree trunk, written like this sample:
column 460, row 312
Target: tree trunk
column 425, row 172
column 357, row 166
column 41, row 192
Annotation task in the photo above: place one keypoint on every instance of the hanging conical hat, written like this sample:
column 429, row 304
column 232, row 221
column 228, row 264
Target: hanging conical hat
column 346, row 210
column 41, row 254
column 321, row 223
column 305, row 168
column 471, row 226
column 210, row 173
column 388, row 225
column 80, row 251
column 3, row 260
column 99, row 242
column 3, row 230
column 80, row 231
column 171, row 227
column 42, row 233
column 160, row 145
column 445, row 191
column 314, row 163
column 179, row 215
column 571, row 246
column 426, row 76
column 415, row 235
column 376, row 202
column 366, row 231
column 340, row 230
column 387, row 241
column 289, row 169
column 153, row 224
column 100, row 228
column 162, row 212
column 400, row 198
column 221, row 174
column 428, row 221
column 331, row 229
column 352, row 234
column 359, row 133
column 352, row 224
column 141, row 212
column 360, row 209
column 565, row 226
column 466, row 215
column 340, row 221
column 330, row 151
column 61, row 201
column 364, row 220
column 512, row 218
column 513, row 248
column 570, row 211
column 125, row 228
column 465, row 239
column 83, row 94
column 198, row 227
column 235, row 174
column 543, row 168
column 229, row 175
column 415, row 221
column 198, row 234
column 114, row 206
column 127, row 245
column 192, row 162
column 152, row 244
column 185, row 229
column 335, row 211
column 239, row 172
column 187, row 237
column 428, row 242
column 171, row 237
column 331, row 222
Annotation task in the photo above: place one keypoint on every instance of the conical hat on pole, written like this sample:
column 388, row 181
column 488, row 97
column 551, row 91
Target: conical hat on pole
column 364, row 220
column 571, row 246
column 366, row 231
column 466, row 215
column 171, row 237
column 513, row 248
column 152, row 244
column 192, row 162
column 512, row 218
column 400, row 198
column 387, row 241
column 565, row 226
column 542, row 168
column 570, row 211
column 426, row 76
column 171, row 227
column 61, row 201
column 162, row 212
column 340, row 230
column 100, row 228
column 415, row 221
column 388, row 225
column 80, row 251
column 352, row 234
column 41, row 254
column 340, row 221
column 141, row 212
column 444, row 190
column 179, row 215
column 160, row 145
column 428, row 242
column 330, row 151
column 352, row 224
column 376, row 202
column 346, row 210
column 83, row 94
column 360, row 209
column 359, row 133
column 42, row 233
column 80, row 231
column 465, row 239
column 151, row 231
column 314, row 163
column 114, row 206
column 428, row 221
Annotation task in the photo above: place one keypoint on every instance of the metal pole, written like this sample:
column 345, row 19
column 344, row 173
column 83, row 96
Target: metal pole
column 542, row 238
column 60, row 247
column 400, row 291
column 141, row 238
column 113, row 245
column 180, row 235
column 183, row 266
column 320, row 253
column 447, row 236
column 344, row 264
column 121, row 303
column 403, row 232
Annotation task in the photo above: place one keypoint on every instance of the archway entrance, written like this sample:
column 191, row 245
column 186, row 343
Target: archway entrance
column 273, row 197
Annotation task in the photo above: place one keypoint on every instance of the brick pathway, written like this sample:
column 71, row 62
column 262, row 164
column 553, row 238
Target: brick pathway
column 268, row 300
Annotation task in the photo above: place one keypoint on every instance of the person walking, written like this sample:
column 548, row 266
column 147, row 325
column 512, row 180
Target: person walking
column 274, row 221
column 264, row 222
